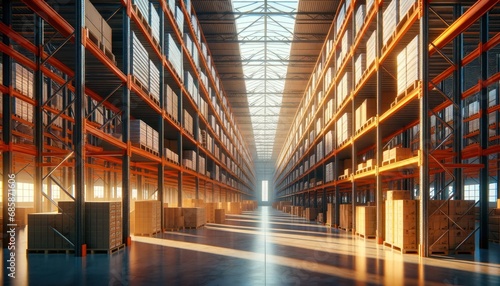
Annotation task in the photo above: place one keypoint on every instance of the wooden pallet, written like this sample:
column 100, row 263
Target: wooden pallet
column 50, row 251
column 405, row 250
column 369, row 236
column 366, row 124
column 194, row 227
column 438, row 252
column 147, row 234
column 106, row 251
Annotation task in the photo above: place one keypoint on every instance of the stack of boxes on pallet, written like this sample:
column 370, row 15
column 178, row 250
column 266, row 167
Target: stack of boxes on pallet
column 147, row 217
column 298, row 211
column 194, row 217
column 103, row 225
column 188, row 123
column 311, row 213
column 345, row 216
column 220, row 216
column 145, row 70
column 366, row 221
column 330, row 215
column 359, row 68
column 143, row 136
column 99, row 30
column 189, row 159
column 450, row 225
column 174, row 54
column 210, row 211
column 408, row 65
column 54, row 231
column 390, row 19
column 171, row 103
column 365, row 111
column 173, row 218
column 344, row 128
column 401, row 221
column 46, row 231
column 343, row 89
column 494, row 224
column 371, row 49
column 395, row 154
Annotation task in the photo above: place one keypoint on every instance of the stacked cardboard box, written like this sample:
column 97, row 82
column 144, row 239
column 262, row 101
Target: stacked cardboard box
column 171, row 103
column 405, row 225
column 287, row 209
column 330, row 215
column 41, row 234
column 171, row 155
column 360, row 19
column 371, row 45
column 194, row 217
column 154, row 81
column 173, row 218
column 143, row 135
column 462, row 225
column 234, row 208
column 311, row 213
column 390, row 19
column 438, row 226
column 210, row 211
column 249, row 205
column 359, row 67
column 404, row 7
column 154, row 22
column 366, row 110
column 97, row 26
column 103, row 225
column 344, row 128
column 188, row 122
column 220, row 216
column 174, row 54
column 329, row 172
column 344, row 88
column 140, row 61
column 189, row 159
column 147, row 217
column 396, row 154
column 408, row 65
column 345, row 216
column 366, row 221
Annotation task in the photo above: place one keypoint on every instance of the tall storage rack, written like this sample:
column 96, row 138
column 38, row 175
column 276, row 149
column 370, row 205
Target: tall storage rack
column 419, row 82
column 122, row 94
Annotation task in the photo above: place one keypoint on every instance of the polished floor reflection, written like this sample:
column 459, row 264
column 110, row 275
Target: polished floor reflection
column 265, row 247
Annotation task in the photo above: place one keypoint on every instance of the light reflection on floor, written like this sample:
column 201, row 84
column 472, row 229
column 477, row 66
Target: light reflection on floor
column 265, row 247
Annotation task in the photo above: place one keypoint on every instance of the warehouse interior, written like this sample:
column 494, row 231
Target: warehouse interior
column 250, row 142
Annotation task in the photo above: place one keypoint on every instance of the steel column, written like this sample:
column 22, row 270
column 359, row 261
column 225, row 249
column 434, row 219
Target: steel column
column 379, row 194
column 424, row 133
column 125, row 118
column 458, row 184
column 79, row 130
column 161, row 124
column 39, row 31
column 483, row 141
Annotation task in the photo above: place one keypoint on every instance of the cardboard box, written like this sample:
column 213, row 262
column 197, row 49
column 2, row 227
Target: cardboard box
column 398, row 195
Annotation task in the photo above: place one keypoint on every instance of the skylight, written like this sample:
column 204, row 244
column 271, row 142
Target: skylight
column 265, row 33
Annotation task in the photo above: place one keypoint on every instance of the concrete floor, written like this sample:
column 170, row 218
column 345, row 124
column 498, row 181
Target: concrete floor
column 265, row 247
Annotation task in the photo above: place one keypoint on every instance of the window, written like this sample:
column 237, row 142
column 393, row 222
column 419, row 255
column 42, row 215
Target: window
column 98, row 192
column 265, row 191
column 24, row 192
column 471, row 192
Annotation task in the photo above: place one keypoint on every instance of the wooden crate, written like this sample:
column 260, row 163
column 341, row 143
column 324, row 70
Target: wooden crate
column 220, row 216
column 172, row 218
column 366, row 221
column 147, row 217
column 389, row 222
column 398, row 195
column 194, row 217
column 330, row 214
column 22, row 215
column 345, row 219
column 311, row 213
column 210, row 211
column 405, row 224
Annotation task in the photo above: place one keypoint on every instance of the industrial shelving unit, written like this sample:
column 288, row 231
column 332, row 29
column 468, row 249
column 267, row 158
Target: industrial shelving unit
column 87, row 108
column 421, row 76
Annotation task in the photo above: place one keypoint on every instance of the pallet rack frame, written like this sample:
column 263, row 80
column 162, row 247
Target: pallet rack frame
column 430, row 160
column 84, row 158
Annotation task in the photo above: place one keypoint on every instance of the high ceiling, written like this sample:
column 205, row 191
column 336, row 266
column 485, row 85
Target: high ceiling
column 265, row 52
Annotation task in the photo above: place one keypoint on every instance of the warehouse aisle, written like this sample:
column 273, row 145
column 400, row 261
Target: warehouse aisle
column 265, row 247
